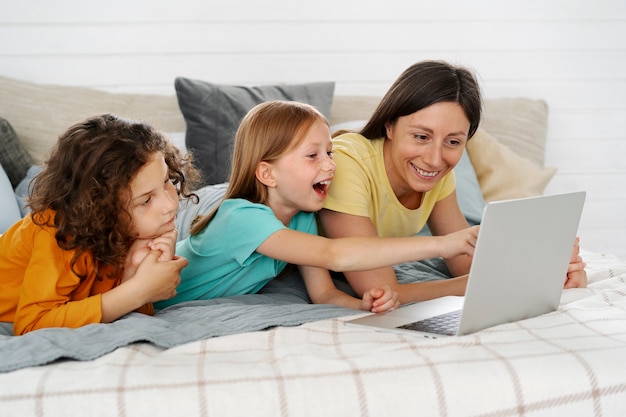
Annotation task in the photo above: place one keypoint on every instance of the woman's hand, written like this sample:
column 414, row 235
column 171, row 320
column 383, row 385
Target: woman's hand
column 378, row 300
column 576, row 274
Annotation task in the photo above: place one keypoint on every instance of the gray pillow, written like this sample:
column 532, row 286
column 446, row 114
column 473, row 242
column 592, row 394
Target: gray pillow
column 468, row 192
column 23, row 189
column 13, row 156
column 213, row 112
column 8, row 204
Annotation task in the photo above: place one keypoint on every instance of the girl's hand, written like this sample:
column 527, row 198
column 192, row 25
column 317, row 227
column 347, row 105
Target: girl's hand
column 378, row 300
column 153, row 280
column 136, row 254
column 462, row 242
column 166, row 243
column 156, row 279
column 576, row 274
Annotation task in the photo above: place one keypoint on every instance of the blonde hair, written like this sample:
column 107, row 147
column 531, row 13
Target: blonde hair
column 267, row 132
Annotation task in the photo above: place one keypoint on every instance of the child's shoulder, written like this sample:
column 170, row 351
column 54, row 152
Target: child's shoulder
column 240, row 216
column 37, row 221
column 234, row 204
column 25, row 231
column 240, row 208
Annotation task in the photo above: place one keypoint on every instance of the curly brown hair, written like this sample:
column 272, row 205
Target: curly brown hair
column 85, row 181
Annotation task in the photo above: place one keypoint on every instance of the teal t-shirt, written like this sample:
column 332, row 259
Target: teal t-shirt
column 223, row 260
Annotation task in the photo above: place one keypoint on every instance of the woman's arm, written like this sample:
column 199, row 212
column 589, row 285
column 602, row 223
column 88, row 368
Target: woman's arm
column 446, row 218
column 339, row 225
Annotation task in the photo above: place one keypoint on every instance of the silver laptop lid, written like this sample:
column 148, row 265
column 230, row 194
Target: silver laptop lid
column 521, row 259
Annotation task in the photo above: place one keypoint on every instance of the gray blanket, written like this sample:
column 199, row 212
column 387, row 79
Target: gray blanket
column 283, row 302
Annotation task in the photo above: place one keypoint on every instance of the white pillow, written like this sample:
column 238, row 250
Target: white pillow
column 353, row 125
column 8, row 203
column 502, row 173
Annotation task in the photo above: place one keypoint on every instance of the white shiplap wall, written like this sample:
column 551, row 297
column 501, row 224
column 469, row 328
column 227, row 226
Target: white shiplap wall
column 572, row 53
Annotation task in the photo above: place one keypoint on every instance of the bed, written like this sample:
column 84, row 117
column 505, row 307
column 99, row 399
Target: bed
column 274, row 353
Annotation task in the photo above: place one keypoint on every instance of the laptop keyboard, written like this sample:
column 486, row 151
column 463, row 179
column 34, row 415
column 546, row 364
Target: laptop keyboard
column 447, row 324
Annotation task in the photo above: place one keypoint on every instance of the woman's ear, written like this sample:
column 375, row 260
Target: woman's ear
column 388, row 127
column 264, row 174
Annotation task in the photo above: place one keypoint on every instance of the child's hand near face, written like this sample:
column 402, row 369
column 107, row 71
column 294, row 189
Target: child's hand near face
column 158, row 277
column 379, row 300
column 165, row 244
column 152, row 280
column 157, row 280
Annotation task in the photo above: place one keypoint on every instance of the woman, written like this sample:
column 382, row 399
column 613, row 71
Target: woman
column 395, row 175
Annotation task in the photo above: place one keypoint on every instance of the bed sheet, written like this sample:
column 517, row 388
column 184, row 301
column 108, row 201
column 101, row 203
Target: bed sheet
column 571, row 362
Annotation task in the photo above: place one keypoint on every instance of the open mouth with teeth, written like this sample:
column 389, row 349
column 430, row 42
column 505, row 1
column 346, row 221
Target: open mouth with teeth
column 321, row 187
column 424, row 174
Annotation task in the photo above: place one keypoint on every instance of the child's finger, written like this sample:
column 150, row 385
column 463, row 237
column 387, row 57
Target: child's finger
column 386, row 306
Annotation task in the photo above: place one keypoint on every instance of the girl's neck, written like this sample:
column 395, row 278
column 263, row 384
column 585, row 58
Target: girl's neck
column 282, row 212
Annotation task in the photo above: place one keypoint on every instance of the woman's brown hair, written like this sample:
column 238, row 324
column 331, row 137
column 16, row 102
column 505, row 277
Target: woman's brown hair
column 421, row 85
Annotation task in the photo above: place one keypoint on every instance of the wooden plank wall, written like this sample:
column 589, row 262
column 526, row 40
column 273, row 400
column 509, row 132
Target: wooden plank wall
column 572, row 53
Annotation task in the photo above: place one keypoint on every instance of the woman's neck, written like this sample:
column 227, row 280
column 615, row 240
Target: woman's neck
column 408, row 197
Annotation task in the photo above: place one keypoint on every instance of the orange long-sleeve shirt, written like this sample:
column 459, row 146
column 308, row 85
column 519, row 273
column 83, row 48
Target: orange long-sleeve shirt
column 37, row 286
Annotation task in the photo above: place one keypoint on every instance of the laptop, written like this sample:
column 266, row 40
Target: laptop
column 518, row 271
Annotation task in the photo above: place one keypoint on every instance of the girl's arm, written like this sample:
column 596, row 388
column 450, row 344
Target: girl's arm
column 322, row 290
column 154, row 281
column 363, row 253
column 62, row 300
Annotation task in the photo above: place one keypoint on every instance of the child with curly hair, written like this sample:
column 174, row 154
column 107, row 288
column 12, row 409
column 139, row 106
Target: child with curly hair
column 99, row 241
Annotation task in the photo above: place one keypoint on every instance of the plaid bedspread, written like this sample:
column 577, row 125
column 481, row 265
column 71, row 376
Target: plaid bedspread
column 568, row 363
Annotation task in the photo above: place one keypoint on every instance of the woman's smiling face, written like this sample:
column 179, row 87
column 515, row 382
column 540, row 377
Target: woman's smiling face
column 422, row 147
